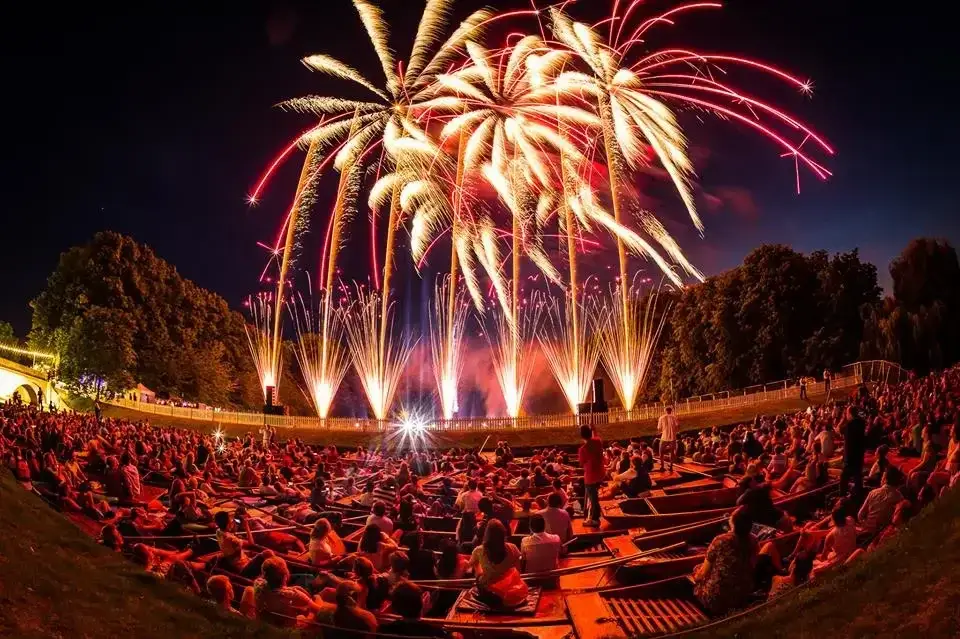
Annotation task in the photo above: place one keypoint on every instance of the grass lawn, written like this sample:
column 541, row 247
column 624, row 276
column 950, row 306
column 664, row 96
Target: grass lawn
column 55, row 581
column 517, row 438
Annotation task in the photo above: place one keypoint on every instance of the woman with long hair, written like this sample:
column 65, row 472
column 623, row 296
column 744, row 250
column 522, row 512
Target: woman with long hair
column 376, row 547
column 495, row 557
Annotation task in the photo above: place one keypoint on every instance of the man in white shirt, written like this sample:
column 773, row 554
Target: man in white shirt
column 878, row 507
column 379, row 517
column 469, row 499
column 557, row 519
column 540, row 550
column 668, row 425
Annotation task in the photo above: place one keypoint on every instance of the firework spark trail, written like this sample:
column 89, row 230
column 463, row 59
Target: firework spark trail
column 513, row 349
column 320, row 351
column 261, row 342
column 379, row 368
column 569, row 349
column 447, row 326
column 628, row 360
column 302, row 201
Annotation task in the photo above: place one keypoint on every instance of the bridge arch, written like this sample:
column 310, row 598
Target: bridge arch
column 31, row 384
column 28, row 393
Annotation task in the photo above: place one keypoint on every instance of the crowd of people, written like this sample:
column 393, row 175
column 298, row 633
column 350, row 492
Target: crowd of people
column 148, row 488
column 913, row 429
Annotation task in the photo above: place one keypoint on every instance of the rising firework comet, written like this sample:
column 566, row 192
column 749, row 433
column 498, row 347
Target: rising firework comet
column 628, row 360
column 570, row 349
column 379, row 368
column 446, row 340
column 260, row 338
column 320, row 351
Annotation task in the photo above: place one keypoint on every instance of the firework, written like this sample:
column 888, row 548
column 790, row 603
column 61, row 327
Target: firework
column 377, row 356
column 448, row 315
column 320, row 351
column 513, row 349
column 627, row 353
column 260, row 338
column 637, row 103
column 570, row 350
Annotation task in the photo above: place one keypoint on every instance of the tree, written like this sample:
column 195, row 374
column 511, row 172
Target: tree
column 918, row 325
column 99, row 350
column 925, row 272
column 6, row 333
column 187, row 340
column 779, row 315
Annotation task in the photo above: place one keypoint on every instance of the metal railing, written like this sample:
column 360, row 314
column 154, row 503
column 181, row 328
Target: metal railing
column 875, row 371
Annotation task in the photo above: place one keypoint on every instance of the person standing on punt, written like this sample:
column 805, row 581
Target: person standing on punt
column 854, row 444
column 590, row 456
column 668, row 425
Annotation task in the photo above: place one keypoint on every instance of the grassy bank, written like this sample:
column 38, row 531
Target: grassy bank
column 57, row 582
column 517, row 438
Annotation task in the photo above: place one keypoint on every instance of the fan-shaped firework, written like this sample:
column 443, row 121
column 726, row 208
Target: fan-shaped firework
column 260, row 338
column 379, row 368
column 447, row 316
column 571, row 349
column 627, row 361
column 320, row 351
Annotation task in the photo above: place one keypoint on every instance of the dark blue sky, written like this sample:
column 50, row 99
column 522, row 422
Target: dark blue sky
column 155, row 119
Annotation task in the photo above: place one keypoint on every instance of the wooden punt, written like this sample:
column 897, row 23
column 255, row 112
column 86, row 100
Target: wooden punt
column 659, row 521
column 683, row 501
column 647, row 610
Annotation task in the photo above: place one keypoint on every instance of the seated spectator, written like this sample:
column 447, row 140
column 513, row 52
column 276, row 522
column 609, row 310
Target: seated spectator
column 325, row 543
column 378, row 517
column 376, row 547
column 797, row 575
column 878, row 507
column 221, row 590
column 270, row 599
column 540, row 550
column 724, row 581
column 349, row 614
column 494, row 558
column 407, row 602
column 557, row 519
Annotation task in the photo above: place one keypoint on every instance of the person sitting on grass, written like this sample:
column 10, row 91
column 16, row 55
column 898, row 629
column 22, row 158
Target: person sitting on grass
column 221, row 591
column 168, row 564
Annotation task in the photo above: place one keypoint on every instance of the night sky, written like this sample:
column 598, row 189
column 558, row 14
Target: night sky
column 157, row 119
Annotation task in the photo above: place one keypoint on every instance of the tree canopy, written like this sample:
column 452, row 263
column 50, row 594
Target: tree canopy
column 919, row 326
column 780, row 314
column 112, row 308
